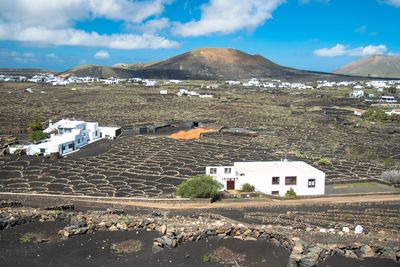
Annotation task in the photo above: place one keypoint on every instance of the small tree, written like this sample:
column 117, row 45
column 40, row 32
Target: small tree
column 36, row 125
column 200, row 186
column 290, row 193
column 247, row 188
column 37, row 136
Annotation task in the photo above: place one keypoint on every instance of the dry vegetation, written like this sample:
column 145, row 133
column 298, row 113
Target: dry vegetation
column 305, row 125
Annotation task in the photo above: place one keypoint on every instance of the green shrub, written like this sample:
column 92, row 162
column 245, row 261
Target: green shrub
column 37, row 136
column 324, row 161
column 206, row 258
column 361, row 154
column 290, row 193
column 375, row 114
column 389, row 162
column 247, row 188
column 36, row 125
column 200, row 186
column 26, row 238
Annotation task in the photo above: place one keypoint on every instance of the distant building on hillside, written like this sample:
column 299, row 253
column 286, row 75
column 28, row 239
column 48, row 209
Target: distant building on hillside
column 271, row 177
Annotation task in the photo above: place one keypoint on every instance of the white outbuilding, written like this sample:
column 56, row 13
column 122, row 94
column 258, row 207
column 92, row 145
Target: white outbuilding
column 271, row 177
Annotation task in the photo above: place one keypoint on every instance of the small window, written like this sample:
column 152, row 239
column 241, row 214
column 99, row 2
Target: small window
column 275, row 193
column 228, row 170
column 79, row 141
column 43, row 150
column 213, row 170
column 311, row 182
column 290, row 180
column 275, row 180
column 70, row 146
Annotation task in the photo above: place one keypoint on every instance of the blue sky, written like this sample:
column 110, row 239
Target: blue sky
column 317, row 35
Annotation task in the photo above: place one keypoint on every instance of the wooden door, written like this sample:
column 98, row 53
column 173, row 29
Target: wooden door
column 230, row 184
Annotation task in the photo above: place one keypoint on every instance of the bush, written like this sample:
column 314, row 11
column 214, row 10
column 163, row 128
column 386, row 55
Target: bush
column 290, row 193
column 37, row 136
column 200, row 186
column 36, row 125
column 324, row 161
column 391, row 176
column 247, row 188
column 374, row 114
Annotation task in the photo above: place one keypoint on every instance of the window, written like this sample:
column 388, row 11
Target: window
column 43, row 150
column 79, row 141
column 227, row 170
column 213, row 170
column 71, row 146
column 311, row 182
column 290, row 180
column 275, row 180
column 275, row 193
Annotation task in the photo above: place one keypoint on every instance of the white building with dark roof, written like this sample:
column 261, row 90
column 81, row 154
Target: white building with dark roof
column 271, row 177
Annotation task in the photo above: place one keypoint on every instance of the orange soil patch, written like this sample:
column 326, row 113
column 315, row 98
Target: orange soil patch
column 191, row 134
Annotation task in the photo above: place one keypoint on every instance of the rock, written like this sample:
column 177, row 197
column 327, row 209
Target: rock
column 122, row 226
column 398, row 255
column 102, row 224
column 249, row 238
column 355, row 245
column 155, row 249
column 389, row 253
column 359, row 229
column 298, row 248
column 366, row 251
column 350, row 254
column 163, row 229
column 255, row 234
column 77, row 222
column 247, row 232
column 323, row 230
column 292, row 263
column 346, row 230
column 66, row 234
column 221, row 236
column 113, row 228
column 310, row 260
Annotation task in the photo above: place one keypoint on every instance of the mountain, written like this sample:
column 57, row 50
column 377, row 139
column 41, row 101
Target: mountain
column 373, row 66
column 98, row 71
column 203, row 64
column 23, row 72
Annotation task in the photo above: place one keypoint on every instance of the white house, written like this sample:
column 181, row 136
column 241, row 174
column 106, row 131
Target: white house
column 67, row 136
column 272, row 177
column 357, row 94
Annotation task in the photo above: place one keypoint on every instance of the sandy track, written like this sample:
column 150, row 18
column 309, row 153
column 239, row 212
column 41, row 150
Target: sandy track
column 253, row 203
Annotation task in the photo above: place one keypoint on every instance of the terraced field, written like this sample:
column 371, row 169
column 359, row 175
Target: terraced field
column 140, row 166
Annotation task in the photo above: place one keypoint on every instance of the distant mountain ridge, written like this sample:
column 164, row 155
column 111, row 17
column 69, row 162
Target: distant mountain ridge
column 373, row 66
column 203, row 64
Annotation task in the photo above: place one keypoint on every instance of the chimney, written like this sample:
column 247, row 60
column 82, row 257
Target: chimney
column 50, row 123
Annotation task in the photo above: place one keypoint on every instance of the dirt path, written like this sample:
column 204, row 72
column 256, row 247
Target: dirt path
column 251, row 203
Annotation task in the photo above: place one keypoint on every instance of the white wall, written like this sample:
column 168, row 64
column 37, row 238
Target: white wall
column 262, row 180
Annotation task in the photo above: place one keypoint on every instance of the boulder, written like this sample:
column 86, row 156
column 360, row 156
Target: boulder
column 359, row 229
column 350, row 254
column 163, row 229
column 366, row 251
column 113, row 228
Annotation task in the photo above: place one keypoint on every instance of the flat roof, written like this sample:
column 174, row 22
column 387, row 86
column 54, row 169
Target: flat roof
column 275, row 166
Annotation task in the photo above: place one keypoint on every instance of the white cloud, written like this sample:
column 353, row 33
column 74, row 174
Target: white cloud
column 155, row 25
column 102, row 54
column 70, row 36
column 342, row 50
column 395, row 3
column 303, row 2
column 51, row 22
column 227, row 16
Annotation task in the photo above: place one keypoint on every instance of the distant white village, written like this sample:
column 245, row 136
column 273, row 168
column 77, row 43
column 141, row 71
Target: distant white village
column 47, row 78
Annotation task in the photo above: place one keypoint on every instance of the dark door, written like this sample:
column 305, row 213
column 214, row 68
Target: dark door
column 230, row 184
